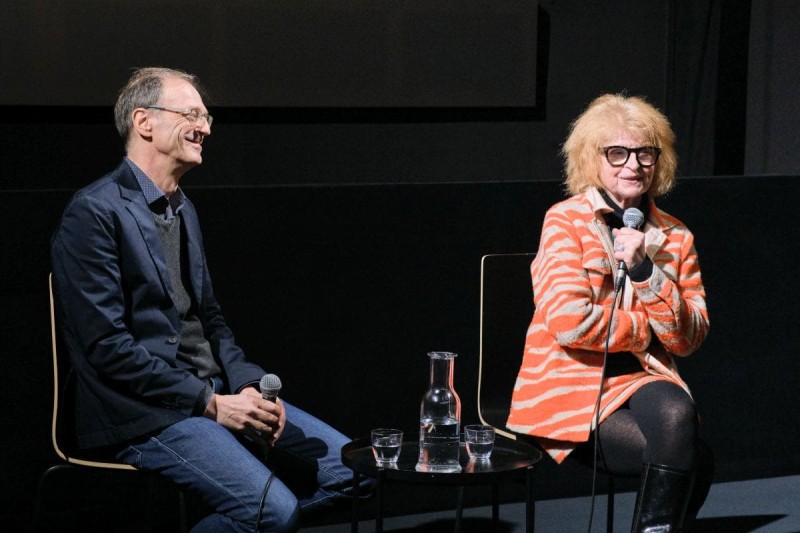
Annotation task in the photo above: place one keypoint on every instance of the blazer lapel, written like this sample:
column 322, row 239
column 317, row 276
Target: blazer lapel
column 140, row 211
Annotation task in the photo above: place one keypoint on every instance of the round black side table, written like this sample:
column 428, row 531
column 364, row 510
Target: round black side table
column 509, row 459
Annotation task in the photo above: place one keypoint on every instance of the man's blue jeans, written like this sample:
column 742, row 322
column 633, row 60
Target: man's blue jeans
column 210, row 462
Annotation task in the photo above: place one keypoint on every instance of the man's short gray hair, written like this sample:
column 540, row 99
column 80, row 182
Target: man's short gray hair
column 144, row 89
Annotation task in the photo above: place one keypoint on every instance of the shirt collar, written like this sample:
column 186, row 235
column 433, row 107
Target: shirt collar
column 155, row 197
column 614, row 218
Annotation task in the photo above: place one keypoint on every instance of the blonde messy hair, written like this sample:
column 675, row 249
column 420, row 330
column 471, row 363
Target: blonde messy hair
column 606, row 117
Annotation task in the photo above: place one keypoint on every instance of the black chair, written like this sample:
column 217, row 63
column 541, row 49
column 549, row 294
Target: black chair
column 506, row 308
column 64, row 443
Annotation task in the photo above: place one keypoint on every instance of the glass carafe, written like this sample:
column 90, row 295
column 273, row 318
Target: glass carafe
column 440, row 418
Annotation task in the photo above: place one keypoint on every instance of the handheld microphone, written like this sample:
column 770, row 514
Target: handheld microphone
column 270, row 387
column 632, row 218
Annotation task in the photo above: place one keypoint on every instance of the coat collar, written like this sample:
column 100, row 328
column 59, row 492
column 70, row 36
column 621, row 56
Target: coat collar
column 137, row 206
column 655, row 227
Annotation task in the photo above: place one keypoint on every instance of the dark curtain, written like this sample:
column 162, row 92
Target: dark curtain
column 707, row 84
column 692, row 83
column 773, row 96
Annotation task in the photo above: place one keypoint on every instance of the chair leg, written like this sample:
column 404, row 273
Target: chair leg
column 184, row 526
column 37, row 505
column 183, row 521
column 610, row 505
column 151, row 500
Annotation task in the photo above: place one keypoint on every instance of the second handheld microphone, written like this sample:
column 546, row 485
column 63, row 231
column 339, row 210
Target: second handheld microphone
column 632, row 218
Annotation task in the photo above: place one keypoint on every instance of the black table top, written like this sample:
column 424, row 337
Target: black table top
column 508, row 458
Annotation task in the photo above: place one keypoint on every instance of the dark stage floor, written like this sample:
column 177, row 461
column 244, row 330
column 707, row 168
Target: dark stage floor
column 769, row 505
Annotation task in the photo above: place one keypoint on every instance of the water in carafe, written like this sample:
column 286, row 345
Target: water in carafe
column 440, row 417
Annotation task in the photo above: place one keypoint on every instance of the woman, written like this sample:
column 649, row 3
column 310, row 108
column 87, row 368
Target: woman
column 619, row 155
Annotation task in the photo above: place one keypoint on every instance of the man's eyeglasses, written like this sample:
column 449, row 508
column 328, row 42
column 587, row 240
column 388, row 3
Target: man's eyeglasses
column 193, row 115
column 618, row 155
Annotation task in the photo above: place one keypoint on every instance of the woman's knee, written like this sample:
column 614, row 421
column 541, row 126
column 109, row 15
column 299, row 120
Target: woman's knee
column 665, row 405
column 667, row 417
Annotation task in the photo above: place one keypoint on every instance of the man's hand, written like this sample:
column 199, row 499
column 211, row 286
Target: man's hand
column 277, row 428
column 247, row 413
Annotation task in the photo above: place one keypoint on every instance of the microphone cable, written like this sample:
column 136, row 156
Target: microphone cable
column 631, row 218
column 597, row 447
column 263, row 499
column 270, row 386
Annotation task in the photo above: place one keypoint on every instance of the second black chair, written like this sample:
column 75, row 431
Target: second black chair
column 506, row 308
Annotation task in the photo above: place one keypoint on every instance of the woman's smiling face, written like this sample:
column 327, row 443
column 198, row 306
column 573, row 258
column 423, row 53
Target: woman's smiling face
column 626, row 184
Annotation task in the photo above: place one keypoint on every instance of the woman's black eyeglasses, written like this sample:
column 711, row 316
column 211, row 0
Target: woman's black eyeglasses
column 618, row 155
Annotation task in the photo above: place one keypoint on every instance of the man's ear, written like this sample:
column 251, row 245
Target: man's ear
column 141, row 122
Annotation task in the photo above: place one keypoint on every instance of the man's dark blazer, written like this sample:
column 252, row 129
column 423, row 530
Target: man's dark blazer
column 117, row 317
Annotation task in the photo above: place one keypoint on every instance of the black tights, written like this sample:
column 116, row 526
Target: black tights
column 658, row 424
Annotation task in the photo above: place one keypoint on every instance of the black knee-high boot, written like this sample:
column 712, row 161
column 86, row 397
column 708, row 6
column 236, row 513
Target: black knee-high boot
column 661, row 500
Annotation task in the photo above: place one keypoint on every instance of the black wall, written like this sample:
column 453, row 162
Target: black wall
column 345, row 238
column 341, row 290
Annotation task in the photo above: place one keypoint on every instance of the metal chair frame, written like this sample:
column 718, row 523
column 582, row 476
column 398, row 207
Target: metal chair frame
column 512, row 284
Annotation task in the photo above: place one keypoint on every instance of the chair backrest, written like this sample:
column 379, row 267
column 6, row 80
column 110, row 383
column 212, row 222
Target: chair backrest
column 61, row 428
column 506, row 310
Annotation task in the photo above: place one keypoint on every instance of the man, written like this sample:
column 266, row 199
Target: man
column 160, row 380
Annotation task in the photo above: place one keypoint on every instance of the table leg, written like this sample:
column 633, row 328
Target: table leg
column 356, row 483
column 379, row 493
column 459, row 509
column 530, row 504
column 495, row 506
